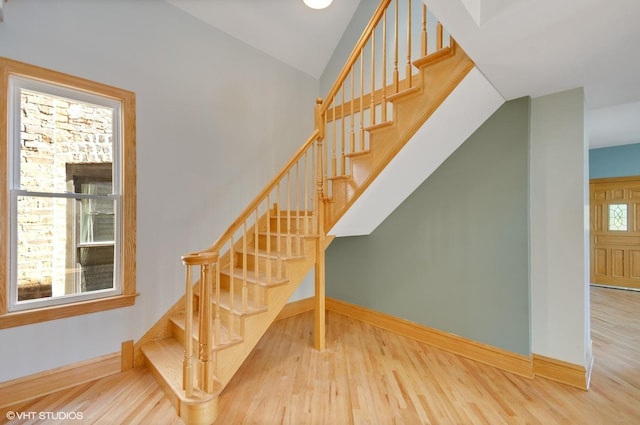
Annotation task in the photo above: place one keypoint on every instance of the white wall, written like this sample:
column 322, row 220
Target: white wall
column 559, row 228
column 216, row 119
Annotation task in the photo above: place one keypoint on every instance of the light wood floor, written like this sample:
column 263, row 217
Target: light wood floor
column 370, row 376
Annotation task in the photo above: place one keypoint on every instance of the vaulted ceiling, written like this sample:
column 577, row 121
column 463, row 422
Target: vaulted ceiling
column 524, row 47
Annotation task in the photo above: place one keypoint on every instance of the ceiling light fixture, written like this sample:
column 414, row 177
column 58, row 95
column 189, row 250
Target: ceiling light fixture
column 317, row 4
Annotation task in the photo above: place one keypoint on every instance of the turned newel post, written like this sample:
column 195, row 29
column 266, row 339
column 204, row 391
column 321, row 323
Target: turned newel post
column 319, row 328
column 206, row 261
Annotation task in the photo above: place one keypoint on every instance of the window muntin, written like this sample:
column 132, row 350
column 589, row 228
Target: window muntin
column 65, row 238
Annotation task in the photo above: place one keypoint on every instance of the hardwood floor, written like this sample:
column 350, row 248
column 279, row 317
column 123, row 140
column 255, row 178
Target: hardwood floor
column 370, row 376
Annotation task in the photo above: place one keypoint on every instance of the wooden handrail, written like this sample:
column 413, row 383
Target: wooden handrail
column 355, row 53
column 261, row 196
column 199, row 258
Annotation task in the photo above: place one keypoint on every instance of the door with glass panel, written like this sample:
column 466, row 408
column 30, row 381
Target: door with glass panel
column 615, row 231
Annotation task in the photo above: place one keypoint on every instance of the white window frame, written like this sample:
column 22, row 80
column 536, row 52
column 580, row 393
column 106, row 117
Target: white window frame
column 16, row 85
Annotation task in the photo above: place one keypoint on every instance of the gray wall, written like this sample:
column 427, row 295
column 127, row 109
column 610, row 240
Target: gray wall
column 454, row 255
column 559, row 237
column 216, row 119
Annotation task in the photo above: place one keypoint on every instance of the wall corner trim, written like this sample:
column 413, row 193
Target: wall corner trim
column 563, row 372
column 517, row 364
column 40, row 384
column 126, row 357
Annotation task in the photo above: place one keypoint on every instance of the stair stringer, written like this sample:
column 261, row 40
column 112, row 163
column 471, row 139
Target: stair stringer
column 470, row 104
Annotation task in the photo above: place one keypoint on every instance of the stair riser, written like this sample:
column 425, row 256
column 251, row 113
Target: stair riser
column 296, row 243
column 232, row 322
column 278, row 268
column 254, row 292
column 294, row 224
column 178, row 334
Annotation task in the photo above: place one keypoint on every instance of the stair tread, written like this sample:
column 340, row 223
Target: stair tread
column 263, row 233
column 403, row 93
column 379, row 125
column 252, row 308
column 340, row 177
column 433, row 57
column 273, row 254
column 292, row 213
column 284, row 234
column 166, row 356
column 358, row 153
column 260, row 279
column 226, row 338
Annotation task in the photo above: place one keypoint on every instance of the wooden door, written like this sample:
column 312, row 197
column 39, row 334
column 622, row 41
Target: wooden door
column 615, row 231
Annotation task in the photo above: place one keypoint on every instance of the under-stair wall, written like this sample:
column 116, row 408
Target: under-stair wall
column 454, row 255
column 471, row 103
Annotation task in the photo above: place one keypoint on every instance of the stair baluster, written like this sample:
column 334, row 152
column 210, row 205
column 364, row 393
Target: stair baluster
column 423, row 32
column 409, row 71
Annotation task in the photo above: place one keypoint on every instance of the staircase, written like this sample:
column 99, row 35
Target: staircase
column 236, row 288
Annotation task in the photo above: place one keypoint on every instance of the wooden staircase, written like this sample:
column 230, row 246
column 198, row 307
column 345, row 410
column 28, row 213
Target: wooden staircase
column 236, row 288
column 239, row 320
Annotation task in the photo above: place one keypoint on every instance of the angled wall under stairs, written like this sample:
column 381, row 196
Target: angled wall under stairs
column 470, row 104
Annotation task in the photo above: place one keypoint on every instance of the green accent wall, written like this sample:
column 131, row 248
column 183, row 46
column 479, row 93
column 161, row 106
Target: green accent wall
column 455, row 255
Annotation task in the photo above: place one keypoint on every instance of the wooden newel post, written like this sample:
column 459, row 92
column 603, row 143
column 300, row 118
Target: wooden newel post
column 319, row 328
column 206, row 261
column 187, row 363
column 204, row 329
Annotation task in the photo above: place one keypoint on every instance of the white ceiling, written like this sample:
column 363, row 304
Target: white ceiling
column 524, row 47
column 538, row 47
column 286, row 29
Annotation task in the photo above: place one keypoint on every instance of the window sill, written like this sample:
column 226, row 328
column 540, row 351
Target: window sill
column 21, row 318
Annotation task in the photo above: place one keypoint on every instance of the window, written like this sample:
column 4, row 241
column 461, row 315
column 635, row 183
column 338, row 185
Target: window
column 618, row 217
column 67, row 232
